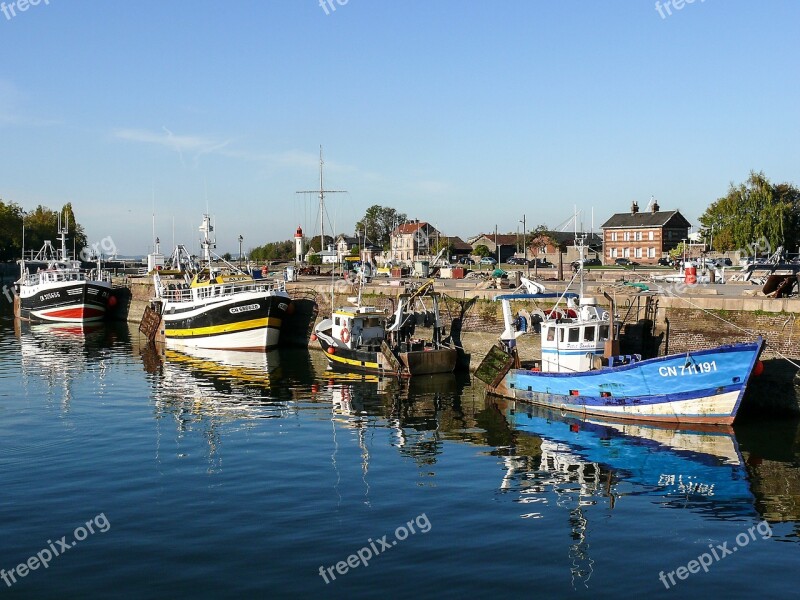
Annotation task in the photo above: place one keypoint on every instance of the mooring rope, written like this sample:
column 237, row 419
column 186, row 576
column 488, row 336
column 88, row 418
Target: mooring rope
column 732, row 324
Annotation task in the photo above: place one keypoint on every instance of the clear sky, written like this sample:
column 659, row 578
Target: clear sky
column 464, row 113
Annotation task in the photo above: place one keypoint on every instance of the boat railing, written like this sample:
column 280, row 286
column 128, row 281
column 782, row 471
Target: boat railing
column 58, row 275
column 181, row 292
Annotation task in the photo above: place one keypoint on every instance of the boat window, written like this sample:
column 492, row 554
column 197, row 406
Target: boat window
column 551, row 334
column 560, row 335
column 336, row 321
column 574, row 334
column 588, row 334
column 603, row 332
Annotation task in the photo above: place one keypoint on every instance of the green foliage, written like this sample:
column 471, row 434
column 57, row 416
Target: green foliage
column 273, row 251
column 10, row 231
column 481, row 250
column 315, row 259
column 40, row 224
column 677, row 251
column 752, row 211
column 378, row 223
column 443, row 243
column 313, row 244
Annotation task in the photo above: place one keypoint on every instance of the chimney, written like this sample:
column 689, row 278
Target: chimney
column 655, row 206
column 634, row 207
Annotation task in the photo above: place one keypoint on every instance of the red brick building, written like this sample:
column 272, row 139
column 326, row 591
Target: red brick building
column 643, row 237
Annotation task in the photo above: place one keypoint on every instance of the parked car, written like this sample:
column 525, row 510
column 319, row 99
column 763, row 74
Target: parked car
column 466, row 260
column 515, row 260
column 665, row 262
column 542, row 263
column 587, row 262
column 626, row 262
column 488, row 260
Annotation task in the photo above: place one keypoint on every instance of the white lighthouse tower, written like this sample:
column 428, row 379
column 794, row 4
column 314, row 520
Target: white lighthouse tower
column 299, row 245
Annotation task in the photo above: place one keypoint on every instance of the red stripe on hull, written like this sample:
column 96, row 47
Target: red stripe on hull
column 84, row 312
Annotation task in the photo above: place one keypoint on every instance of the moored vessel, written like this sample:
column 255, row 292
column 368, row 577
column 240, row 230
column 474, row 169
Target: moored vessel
column 217, row 305
column 59, row 290
column 582, row 371
column 372, row 340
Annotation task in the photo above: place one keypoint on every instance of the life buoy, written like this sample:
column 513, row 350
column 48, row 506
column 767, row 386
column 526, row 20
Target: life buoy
column 345, row 335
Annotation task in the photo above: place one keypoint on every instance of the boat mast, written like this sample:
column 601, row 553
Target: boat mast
column 62, row 232
column 206, row 243
column 321, row 192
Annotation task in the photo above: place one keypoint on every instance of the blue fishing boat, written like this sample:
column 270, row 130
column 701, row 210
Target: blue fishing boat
column 582, row 371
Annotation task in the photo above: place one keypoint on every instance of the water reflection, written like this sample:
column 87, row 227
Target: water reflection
column 771, row 451
column 420, row 412
column 698, row 468
column 205, row 390
column 227, row 384
column 59, row 354
column 575, row 464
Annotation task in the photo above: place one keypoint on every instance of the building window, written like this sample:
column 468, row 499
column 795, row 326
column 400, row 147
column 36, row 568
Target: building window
column 638, row 236
column 638, row 253
column 613, row 236
column 650, row 235
column 626, row 236
column 651, row 253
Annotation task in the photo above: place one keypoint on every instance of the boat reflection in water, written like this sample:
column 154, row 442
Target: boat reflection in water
column 221, row 383
column 578, row 463
column 57, row 353
column 214, row 391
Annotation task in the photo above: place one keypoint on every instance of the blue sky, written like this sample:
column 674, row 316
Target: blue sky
column 465, row 114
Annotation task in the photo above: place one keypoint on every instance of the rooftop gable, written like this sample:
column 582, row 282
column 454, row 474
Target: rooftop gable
column 646, row 219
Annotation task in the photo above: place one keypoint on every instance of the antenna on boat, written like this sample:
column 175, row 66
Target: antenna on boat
column 62, row 232
column 321, row 191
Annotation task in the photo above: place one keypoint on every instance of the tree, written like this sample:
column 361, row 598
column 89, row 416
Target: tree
column 752, row 211
column 313, row 244
column 443, row 243
column 273, row 251
column 677, row 251
column 10, row 231
column 378, row 223
column 481, row 250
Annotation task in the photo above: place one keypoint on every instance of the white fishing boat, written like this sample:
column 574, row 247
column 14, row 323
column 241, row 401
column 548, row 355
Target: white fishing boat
column 216, row 305
column 54, row 288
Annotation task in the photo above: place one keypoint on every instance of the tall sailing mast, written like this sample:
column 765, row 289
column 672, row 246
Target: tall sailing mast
column 322, row 191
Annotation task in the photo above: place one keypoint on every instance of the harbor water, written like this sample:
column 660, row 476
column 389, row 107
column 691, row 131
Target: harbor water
column 228, row 475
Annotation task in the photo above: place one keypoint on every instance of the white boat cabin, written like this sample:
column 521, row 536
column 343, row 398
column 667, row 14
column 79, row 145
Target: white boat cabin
column 575, row 345
column 359, row 327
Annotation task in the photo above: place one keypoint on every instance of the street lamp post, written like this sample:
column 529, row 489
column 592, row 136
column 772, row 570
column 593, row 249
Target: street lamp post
column 525, row 248
column 241, row 239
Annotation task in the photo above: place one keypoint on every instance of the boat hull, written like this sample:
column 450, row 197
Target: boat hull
column 250, row 321
column 705, row 386
column 65, row 301
column 422, row 362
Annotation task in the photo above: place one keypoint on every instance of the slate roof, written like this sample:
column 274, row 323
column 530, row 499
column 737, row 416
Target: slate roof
column 646, row 219
column 503, row 239
column 459, row 244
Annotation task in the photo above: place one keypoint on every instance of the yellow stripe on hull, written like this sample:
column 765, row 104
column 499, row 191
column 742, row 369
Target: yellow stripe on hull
column 353, row 363
column 228, row 328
